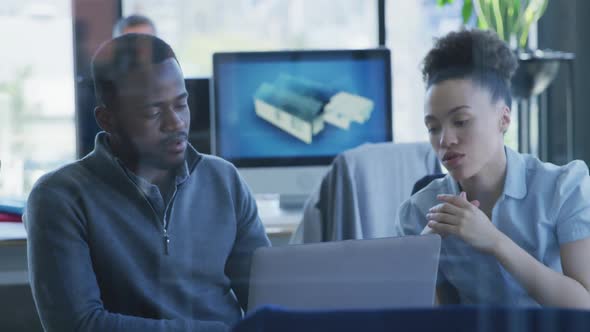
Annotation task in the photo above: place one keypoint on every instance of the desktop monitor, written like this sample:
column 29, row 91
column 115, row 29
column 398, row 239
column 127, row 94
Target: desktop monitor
column 198, row 103
column 281, row 117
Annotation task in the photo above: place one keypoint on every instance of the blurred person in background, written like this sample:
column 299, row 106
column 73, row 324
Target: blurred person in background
column 134, row 24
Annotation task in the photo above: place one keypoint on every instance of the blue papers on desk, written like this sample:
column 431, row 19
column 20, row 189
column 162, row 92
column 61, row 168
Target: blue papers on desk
column 12, row 206
column 443, row 319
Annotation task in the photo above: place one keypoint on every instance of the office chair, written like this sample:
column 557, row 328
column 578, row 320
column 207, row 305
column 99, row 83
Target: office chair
column 359, row 196
column 424, row 181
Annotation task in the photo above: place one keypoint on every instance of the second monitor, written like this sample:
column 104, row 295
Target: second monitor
column 281, row 117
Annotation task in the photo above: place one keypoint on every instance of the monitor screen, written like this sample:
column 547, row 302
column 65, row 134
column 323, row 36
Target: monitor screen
column 299, row 107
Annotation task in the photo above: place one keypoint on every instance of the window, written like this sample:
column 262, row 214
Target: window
column 37, row 130
column 410, row 39
column 196, row 29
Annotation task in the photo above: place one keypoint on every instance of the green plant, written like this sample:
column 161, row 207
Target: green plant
column 510, row 19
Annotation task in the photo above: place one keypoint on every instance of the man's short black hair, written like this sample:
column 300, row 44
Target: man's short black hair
column 117, row 57
column 475, row 54
column 131, row 21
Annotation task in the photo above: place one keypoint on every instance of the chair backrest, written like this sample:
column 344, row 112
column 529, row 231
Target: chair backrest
column 361, row 193
column 424, row 181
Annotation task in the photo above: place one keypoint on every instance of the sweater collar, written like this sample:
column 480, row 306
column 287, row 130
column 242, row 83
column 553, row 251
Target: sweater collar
column 103, row 150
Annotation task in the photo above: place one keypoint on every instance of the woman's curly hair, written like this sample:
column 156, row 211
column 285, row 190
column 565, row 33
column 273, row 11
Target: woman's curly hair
column 476, row 54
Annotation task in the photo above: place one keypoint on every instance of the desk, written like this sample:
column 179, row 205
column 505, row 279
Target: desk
column 16, row 301
column 279, row 223
column 13, row 263
column 13, row 254
column 443, row 319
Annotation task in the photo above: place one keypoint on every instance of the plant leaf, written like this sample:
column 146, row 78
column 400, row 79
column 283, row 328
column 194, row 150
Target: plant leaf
column 481, row 10
column 498, row 19
column 533, row 11
column 442, row 3
column 467, row 11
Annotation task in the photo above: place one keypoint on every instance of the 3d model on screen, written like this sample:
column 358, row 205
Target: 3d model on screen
column 300, row 106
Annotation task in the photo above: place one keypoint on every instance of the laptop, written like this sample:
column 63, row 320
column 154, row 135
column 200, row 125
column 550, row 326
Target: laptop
column 354, row 274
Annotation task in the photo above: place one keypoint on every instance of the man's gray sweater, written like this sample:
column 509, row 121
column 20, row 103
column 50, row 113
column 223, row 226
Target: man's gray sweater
column 104, row 255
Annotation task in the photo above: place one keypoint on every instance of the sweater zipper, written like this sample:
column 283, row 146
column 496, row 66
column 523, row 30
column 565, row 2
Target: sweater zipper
column 165, row 222
column 166, row 241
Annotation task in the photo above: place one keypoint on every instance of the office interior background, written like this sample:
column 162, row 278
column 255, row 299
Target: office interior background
column 46, row 111
column 46, row 98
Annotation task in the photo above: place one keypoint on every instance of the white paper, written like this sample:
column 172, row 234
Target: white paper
column 12, row 231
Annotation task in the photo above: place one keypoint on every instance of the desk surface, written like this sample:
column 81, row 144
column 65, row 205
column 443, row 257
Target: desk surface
column 279, row 224
column 13, row 254
column 13, row 262
column 275, row 220
column 440, row 319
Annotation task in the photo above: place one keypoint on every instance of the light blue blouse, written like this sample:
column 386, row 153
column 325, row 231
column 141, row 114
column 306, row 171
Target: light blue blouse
column 541, row 207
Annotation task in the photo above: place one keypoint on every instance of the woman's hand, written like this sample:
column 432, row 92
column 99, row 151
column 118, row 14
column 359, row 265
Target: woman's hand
column 464, row 219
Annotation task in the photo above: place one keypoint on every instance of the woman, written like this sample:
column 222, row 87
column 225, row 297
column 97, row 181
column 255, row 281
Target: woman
column 515, row 231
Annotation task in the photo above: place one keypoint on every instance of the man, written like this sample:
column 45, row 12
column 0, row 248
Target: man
column 134, row 24
column 144, row 233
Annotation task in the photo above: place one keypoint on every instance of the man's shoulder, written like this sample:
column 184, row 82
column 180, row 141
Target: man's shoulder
column 214, row 164
column 214, row 160
column 65, row 176
column 57, row 188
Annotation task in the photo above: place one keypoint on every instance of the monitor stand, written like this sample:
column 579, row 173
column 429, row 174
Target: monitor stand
column 292, row 202
column 285, row 202
column 289, row 186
